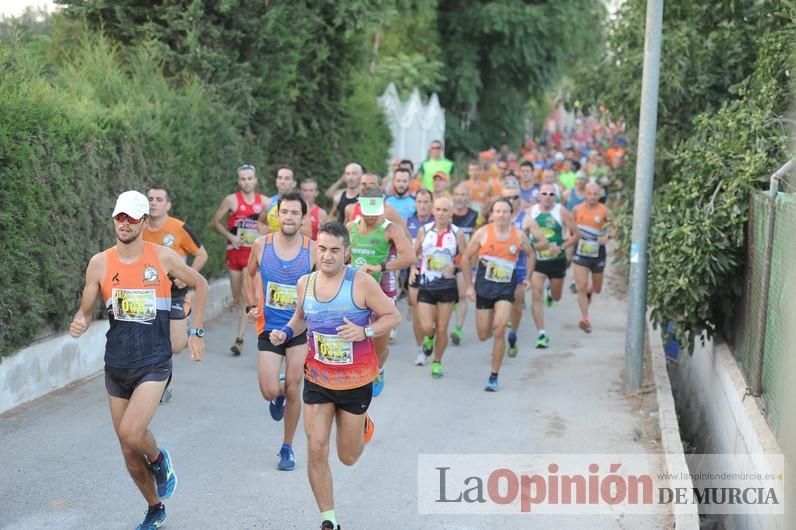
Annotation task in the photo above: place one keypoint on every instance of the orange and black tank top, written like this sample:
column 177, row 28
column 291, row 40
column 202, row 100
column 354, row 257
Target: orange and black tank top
column 497, row 264
column 137, row 297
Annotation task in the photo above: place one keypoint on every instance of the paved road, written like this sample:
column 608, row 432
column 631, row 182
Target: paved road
column 61, row 467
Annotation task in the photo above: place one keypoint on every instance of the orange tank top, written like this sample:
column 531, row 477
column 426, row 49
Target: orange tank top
column 508, row 250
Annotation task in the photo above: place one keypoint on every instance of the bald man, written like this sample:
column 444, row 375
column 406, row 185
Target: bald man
column 352, row 177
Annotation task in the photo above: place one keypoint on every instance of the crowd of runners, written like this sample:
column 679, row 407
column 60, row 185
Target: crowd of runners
column 323, row 288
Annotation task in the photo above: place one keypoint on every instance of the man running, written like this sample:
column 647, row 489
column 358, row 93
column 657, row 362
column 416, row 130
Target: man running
column 511, row 192
column 438, row 246
column 529, row 188
column 497, row 246
column 317, row 215
column 162, row 229
column 466, row 219
column 352, row 176
column 477, row 188
column 133, row 279
column 280, row 259
column 371, row 236
column 242, row 210
column 285, row 182
column 342, row 310
column 592, row 218
column 423, row 216
column 551, row 264
column 401, row 199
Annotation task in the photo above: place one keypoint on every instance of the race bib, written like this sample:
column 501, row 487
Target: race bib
column 499, row 271
column 588, row 248
column 247, row 231
column 439, row 261
column 134, row 305
column 546, row 254
column 280, row 296
column 331, row 349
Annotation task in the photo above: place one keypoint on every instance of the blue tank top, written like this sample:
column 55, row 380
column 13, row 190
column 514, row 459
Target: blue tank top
column 522, row 258
column 574, row 200
column 405, row 205
column 279, row 277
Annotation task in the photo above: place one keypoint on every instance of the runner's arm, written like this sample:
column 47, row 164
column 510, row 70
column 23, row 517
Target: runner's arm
column 91, row 292
column 403, row 249
column 335, row 201
column 177, row 268
column 296, row 322
column 331, row 193
column 574, row 233
column 227, row 205
column 262, row 219
column 470, row 251
column 541, row 241
column 387, row 316
column 394, row 217
column 251, row 270
column 610, row 231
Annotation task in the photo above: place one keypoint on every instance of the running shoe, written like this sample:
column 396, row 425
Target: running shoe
column 370, row 428
column 393, row 334
column 428, row 346
column 420, row 360
column 513, row 350
column 165, row 477
column 155, row 517
column 573, row 288
column 277, row 407
column 327, row 525
column 287, row 462
column 492, row 384
column 543, row 341
column 456, row 336
column 378, row 383
column 237, row 348
column 585, row 325
column 436, row 369
column 548, row 297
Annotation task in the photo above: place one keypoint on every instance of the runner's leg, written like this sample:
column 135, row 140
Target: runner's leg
column 500, row 320
column 294, row 375
column 318, row 426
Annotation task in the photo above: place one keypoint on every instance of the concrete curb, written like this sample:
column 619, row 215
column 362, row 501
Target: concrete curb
column 686, row 516
column 54, row 363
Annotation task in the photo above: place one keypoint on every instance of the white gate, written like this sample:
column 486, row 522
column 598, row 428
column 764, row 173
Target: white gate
column 413, row 125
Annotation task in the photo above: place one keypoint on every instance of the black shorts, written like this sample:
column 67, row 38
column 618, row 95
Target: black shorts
column 264, row 343
column 180, row 309
column 553, row 269
column 441, row 296
column 122, row 382
column 489, row 303
column 354, row 400
column 593, row 264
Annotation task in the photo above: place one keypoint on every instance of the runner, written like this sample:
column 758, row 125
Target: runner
column 242, row 210
column 497, row 246
column 280, row 259
column 423, row 216
column 441, row 185
column 132, row 278
column 577, row 194
column 511, row 192
column 162, row 229
column 466, row 219
column 371, row 237
column 435, row 162
column 285, row 182
column 528, row 186
column 317, row 215
column 401, row 199
column 343, row 310
column 341, row 199
column 477, row 188
column 438, row 245
column 551, row 264
column 592, row 218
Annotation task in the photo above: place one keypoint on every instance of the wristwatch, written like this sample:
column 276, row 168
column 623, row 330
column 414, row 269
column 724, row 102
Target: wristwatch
column 383, row 267
column 369, row 332
column 199, row 332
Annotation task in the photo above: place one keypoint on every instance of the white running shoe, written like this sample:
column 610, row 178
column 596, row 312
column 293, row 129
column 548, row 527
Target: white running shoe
column 420, row 360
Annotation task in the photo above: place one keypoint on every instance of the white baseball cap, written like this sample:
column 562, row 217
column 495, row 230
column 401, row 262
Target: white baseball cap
column 133, row 203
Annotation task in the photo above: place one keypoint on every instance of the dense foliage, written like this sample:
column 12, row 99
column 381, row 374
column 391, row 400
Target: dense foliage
column 725, row 91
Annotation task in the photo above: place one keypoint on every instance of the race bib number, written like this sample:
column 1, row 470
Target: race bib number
column 499, row 271
column 546, row 254
column 439, row 261
column 280, row 296
column 331, row 349
column 247, row 231
column 588, row 248
column 134, row 305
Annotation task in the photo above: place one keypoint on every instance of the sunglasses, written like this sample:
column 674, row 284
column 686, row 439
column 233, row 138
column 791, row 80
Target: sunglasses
column 122, row 217
column 547, row 194
column 513, row 197
column 248, row 167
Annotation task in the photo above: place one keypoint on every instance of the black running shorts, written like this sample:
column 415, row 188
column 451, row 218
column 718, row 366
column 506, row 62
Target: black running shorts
column 122, row 382
column 264, row 342
column 354, row 400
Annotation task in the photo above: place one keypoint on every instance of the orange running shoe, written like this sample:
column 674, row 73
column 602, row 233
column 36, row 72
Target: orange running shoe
column 370, row 428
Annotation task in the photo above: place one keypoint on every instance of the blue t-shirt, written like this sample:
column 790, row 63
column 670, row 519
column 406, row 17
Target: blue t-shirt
column 404, row 205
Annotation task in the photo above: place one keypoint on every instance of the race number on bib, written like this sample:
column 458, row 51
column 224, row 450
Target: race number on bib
column 247, row 231
column 588, row 248
column 439, row 261
column 499, row 271
column 134, row 305
column 331, row 349
column 280, row 296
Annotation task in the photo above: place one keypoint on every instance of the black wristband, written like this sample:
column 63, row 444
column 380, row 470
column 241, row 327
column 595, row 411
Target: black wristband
column 383, row 267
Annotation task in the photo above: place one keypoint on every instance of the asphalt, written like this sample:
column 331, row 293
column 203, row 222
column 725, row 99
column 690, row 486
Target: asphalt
column 61, row 467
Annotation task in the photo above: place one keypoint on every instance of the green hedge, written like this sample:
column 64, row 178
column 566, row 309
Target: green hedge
column 72, row 136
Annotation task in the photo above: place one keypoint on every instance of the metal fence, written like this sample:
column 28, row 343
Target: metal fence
column 779, row 353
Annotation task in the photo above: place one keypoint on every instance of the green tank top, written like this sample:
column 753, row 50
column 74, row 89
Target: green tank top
column 553, row 229
column 430, row 167
column 369, row 248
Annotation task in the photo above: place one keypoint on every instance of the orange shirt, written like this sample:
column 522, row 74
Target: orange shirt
column 176, row 235
column 508, row 250
column 478, row 189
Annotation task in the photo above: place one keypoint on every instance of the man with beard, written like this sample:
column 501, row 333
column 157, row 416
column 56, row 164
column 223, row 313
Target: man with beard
column 401, row 199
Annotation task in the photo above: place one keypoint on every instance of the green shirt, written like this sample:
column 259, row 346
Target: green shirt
column 553, row 229
column 567, row 179
column 430, row 167
column 369, row 248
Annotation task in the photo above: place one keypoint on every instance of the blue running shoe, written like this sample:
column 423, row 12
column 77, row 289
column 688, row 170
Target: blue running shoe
column 492, row 384
column 287, row 461
column 277, row 407
column 155, row 517
column 378, row 383
column 165, row 477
